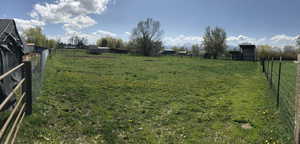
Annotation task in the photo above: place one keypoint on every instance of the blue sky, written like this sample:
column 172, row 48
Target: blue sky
column 274, row 22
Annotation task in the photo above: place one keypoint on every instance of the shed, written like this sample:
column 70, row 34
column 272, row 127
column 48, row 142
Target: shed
column 248, row 52
column 236, row 55
column 11, row 52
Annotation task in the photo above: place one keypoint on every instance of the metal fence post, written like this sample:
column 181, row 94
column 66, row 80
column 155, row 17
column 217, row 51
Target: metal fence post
column 263, row 65
column 278, row 84
column 28, row 87
column 271, row 77
column 297, row 105
column 268, row 66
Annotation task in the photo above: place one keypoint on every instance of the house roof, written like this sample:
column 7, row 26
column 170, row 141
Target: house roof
column 247, row 46
column 8, row 28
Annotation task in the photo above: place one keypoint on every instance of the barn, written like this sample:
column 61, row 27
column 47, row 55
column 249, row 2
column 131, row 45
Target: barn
column 235, row 55
column 11, row 52
column 248, row 52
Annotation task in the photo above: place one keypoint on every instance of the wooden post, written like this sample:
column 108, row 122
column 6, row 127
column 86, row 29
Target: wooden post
column 262, row 64
column 278, row 84
column 297, row 105
column 28, row 87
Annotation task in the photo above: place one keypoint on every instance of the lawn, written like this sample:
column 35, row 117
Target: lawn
column 115, row 98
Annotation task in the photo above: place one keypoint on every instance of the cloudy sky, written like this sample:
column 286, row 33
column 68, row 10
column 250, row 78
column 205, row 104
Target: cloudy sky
column 274, row 22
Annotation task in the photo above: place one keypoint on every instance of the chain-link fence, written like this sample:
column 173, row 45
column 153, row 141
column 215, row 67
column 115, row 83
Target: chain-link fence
column 38, row 67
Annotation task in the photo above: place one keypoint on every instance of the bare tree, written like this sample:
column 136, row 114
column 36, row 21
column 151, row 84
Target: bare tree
column 78, row 41
column 147, row 35
column 215, row 41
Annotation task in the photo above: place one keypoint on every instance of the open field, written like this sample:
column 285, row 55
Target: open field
column 131, row 99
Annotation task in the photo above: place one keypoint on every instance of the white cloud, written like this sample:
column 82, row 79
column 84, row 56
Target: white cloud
column 73, row 14
column 79, row 22
column 105, row 33
column 26, row 24
column 283, row 37
column 276, row 40
column 92, row 37
column 182, row 40
column 128, row 33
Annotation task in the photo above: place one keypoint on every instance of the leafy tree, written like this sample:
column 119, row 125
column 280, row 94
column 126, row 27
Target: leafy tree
column 147, row 36
column 215, row 41
column 196, row 50
column 51, row 44
column 110, row 42
column 102, row 42
column 298, row 41
column 289, row 52
column 36, row 36
column 60, row 45
column 263, row 51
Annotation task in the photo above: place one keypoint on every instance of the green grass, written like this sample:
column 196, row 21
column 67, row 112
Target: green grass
column 134, row 99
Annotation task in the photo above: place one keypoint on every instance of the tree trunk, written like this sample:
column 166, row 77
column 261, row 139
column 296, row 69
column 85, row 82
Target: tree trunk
column 215, row 56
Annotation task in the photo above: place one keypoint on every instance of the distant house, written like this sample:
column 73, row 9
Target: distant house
column 183, row 53
column 69, row 46
column 168, row 52
column 92, row 49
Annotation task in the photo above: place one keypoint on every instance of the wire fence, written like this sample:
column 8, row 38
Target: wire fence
column 38, row 68
column 282, row 78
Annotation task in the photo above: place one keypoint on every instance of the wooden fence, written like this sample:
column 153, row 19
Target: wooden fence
column 11, row 124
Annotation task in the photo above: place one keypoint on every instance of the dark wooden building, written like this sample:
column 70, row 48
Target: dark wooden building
column 236, row 55
column 248, row 52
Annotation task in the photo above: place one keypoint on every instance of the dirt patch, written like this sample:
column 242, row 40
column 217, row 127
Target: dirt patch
column 244, row 124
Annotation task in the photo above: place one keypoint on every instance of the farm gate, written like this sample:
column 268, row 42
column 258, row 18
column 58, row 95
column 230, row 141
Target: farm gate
column 12, row 115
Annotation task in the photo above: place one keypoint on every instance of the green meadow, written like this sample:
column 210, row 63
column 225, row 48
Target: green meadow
column 128, row 99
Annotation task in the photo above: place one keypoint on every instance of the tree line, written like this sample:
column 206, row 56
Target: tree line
column 36, row 36
column 146, row 39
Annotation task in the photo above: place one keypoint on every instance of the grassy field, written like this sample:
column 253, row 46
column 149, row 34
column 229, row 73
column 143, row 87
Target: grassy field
column 132, row 99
